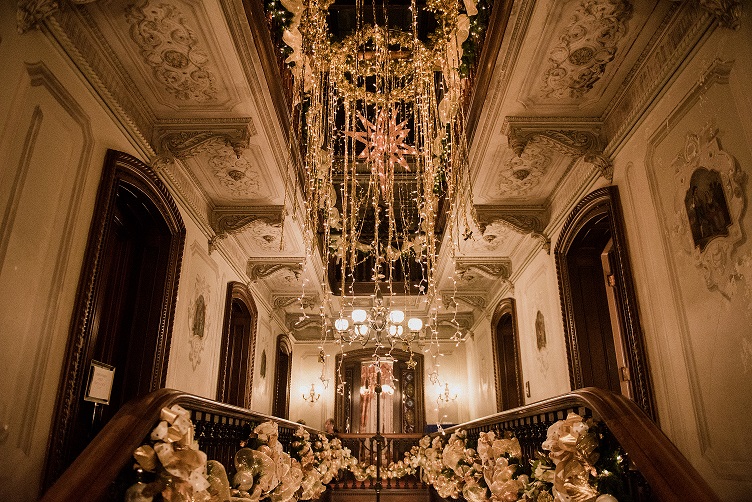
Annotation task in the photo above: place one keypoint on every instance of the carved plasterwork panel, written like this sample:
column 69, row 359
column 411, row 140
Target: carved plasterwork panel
column 171, row 48
column 584, row 48
column 200, row 320
column 708, row 203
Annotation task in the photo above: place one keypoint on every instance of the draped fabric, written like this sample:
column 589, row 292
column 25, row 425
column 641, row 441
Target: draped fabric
column 369, row 377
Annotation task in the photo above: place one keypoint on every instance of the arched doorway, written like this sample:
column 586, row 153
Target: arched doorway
column 282, row 373
column 235, row 382
column 507, row 367
column 604, row 338
column 407, row 410
column 125, row 303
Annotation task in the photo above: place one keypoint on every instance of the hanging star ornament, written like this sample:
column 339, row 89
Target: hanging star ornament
column 384, row 141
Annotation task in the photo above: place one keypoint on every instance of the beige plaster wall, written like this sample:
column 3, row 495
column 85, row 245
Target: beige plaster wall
column 54, row 134
column 695, row 306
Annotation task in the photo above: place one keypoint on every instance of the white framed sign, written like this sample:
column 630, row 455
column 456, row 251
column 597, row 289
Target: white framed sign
column 99, row 387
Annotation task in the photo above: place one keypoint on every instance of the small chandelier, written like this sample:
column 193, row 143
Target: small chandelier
column 312, row 395
column 446, row 396
column 381, row 325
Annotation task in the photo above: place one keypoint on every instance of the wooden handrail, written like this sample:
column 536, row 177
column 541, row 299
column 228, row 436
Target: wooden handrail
column 670, row 475
column 92, row 472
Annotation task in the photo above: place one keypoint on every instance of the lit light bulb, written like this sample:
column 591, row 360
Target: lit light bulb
column 358, row 315
column 341, row 324
column 396, row 316
column 414, row 324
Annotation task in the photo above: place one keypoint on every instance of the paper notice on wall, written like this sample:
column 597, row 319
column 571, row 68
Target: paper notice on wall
column 101, row 377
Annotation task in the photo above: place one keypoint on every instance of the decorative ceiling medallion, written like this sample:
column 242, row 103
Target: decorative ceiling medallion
column 587, row 45
column 171, row 49
column 708, row 205
column 521, row 174
column 234, row 172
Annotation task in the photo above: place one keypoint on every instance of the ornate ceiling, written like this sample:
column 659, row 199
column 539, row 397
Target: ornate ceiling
column 561, row 83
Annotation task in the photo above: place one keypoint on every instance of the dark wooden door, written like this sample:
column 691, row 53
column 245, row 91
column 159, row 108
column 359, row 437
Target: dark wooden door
column 595, row 338
column 125, row 331
column 125, row 303
column 282, row 369
column 506, row 342
column 238, row 356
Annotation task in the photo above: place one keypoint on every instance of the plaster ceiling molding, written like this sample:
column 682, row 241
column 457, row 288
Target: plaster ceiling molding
column 584, row 47
column 493, row 239
column 727, row 12
column 524, row 220
column 520, row 174
column 285, row 274
column 261, row 223
column 178, row 59
column 708, row 205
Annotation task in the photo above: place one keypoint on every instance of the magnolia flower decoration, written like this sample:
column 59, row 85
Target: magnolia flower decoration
column 572, row 448
column 178, row 466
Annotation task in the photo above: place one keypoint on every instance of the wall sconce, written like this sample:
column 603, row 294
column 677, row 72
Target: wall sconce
column 446, row 396
column 312, row 395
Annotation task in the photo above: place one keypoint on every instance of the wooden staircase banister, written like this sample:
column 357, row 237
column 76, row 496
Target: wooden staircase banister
column 92, row 472
column 670, row 475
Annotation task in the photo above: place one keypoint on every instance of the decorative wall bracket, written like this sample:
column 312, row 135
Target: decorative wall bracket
column 728, row 12
column 527, row 221
column 231, row 220
column 307, row 302
column 476, row 301
column 182, row 140
column 566, row 136
column 296, row 323
column 264, row 269
column 32, row 12
column 496, row 270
